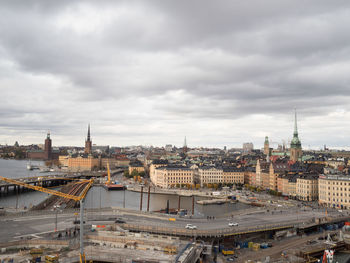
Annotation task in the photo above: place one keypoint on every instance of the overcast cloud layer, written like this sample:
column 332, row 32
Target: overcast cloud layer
column 151, row 72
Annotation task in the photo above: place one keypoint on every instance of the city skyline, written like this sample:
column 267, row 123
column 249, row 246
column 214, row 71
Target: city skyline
column 151, row 73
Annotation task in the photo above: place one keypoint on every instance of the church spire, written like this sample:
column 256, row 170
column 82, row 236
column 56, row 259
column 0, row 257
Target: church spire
column 88, row 134
column 295, row 124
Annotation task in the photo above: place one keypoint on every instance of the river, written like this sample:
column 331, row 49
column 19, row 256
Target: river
column 98, row 197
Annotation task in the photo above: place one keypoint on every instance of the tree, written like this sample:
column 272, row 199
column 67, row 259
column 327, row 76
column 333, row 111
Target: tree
column 178, row 185
column 210, row 185
column 215, row 186
column 205, row 185
column 142, row 174
column 134, row 173
column 126, row 173
column 198, row 186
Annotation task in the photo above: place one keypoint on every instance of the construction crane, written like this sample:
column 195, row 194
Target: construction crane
column 109, row 174
column 79, row 198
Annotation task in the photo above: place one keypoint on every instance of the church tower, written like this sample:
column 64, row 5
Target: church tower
column 295, row 145
column 88, row 142
column 266, row 146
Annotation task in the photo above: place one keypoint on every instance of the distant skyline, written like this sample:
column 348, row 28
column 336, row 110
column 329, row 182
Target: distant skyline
column 153, row 72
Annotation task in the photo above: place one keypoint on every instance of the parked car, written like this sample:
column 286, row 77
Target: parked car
column 190, row 226
column 232, row 224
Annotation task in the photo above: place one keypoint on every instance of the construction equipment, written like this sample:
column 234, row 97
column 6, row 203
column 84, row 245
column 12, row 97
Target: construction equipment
column 109, row 174
column 36, row 253
column 51, row 259
column 79, row 198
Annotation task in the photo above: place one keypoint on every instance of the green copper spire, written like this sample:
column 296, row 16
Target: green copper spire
column 295, row 141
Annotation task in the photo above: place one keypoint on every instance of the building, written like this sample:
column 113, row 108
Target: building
column 248, row 147
column 152, row 169
column 79, row 164
column 334, row 191
column 209, row 175
column 88, row 143
column 276, row 168
column 138, row 167
column 307, row 187
column 262, row 178
column 169, row 177
column 46, row 154
column 266, row 146
column 233, row 175
column 295, row 145
column 168, row 148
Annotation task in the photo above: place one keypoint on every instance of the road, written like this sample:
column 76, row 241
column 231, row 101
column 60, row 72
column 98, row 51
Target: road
column 37, row 225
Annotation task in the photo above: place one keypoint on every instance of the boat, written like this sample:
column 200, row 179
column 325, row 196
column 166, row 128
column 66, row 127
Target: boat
column 114, row 185
column 29, row 167
column 327, row 256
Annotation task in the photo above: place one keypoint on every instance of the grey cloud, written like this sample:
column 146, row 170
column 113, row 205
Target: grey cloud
column 155, row 63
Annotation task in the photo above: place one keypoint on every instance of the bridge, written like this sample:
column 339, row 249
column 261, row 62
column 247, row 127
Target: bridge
column 49, row 180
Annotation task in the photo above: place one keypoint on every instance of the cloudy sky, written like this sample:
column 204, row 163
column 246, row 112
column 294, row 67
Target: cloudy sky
column 151, row 72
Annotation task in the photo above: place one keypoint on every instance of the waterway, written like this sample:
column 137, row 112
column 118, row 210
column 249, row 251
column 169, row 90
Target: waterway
column 98, row 197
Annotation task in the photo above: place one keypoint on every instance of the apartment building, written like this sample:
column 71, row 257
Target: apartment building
column 209, row 175
column 334, row 191
column 307, row 187
column 168, row 177
column 233, row 175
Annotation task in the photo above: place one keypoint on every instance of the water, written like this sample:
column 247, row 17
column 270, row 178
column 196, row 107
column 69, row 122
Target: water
column 18, row 169
column 98, row 197
column 341, row 257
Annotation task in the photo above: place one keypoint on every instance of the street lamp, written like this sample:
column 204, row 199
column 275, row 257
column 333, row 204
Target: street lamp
column 56, row 208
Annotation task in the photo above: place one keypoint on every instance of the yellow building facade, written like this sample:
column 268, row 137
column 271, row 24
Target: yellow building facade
column 334, row 191
column 168, row 177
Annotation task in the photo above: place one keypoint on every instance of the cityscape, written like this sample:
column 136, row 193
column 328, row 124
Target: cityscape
column 174, row 132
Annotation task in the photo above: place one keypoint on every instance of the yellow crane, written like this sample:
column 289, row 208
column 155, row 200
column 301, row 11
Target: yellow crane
column 109, row 174
column 79, row 198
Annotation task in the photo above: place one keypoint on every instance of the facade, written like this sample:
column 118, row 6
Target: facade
column 307, row 187
column 152, row 169
column 46, row 154
column 88, row 143
column 295, row 145
column 135, row 167
column 265, row 180
column 233, row 176
column 334, row 191
column 168, row 177
column 83, row 164
column 210, row 175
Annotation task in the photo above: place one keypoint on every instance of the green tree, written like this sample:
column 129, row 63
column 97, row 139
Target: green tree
column 134, row 173
column 126, row 173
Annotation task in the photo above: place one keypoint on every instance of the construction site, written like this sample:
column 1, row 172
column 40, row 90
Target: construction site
column 260, row 234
